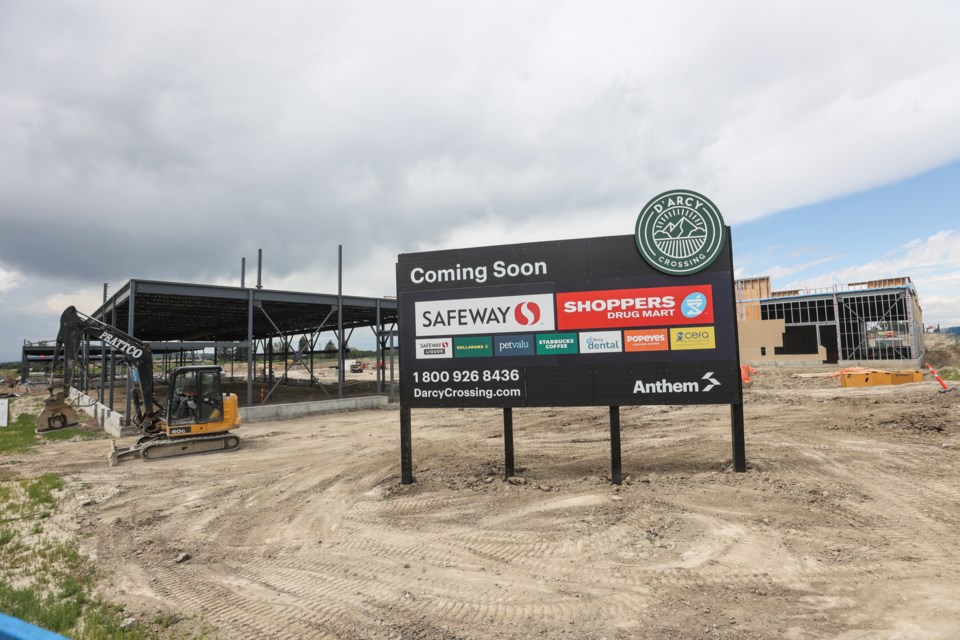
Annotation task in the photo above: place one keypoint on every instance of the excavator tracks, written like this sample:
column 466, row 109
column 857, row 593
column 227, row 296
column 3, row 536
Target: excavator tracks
column 189, row 446
column 155, row 449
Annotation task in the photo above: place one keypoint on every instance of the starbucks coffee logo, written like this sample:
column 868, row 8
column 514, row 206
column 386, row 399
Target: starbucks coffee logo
column 680, row 232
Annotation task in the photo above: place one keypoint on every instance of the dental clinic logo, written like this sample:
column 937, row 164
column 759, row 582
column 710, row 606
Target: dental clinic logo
column 527, row 313
column 679, row 232
column 693, row 305
column 601, row 342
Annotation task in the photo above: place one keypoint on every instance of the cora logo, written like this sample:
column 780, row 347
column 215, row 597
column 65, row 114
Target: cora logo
column 527, row 313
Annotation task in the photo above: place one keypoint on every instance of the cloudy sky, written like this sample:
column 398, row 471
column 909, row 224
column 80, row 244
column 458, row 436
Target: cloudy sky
column 167, row 140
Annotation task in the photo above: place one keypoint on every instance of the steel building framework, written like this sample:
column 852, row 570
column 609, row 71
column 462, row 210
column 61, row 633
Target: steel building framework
column 865, row 324
column 177, row 318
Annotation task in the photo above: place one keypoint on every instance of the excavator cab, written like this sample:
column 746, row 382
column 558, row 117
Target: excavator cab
column 196, row 405
column 195, row 396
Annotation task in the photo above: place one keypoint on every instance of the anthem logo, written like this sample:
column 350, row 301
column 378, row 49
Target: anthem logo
column 680, row 232
column 704, row 385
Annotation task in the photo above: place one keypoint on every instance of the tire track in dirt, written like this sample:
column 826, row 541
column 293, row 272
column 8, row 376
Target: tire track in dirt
column 305, row 533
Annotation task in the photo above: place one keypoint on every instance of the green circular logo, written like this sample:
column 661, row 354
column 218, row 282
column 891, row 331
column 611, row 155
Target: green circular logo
column 680, row 232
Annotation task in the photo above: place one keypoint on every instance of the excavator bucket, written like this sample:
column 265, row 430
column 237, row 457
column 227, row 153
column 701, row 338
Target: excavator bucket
column 56, row 414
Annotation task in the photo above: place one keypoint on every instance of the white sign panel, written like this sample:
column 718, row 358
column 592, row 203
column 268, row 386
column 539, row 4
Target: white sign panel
column 4, row 411
column 601, row 342
column 506, row 314
column 435, row 348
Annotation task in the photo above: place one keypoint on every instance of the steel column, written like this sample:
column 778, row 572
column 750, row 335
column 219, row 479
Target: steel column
column 249, row 348
column 132, row 306
column 616, row 473
column 340, row 321
column 509, row 471
column 406, row 447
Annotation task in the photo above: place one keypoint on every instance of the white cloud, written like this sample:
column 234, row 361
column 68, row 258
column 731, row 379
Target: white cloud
column 9, row 280
column 86, row 300
column 932, row 263
column 779, row 272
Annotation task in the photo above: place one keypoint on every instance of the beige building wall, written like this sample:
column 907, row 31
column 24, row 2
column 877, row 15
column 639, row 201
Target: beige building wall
column 749, row 293
column 759, row 339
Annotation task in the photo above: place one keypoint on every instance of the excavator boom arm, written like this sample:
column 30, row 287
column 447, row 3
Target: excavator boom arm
column 77, row 328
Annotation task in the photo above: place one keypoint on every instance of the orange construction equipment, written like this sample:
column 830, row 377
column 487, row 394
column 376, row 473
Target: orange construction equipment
column 875, row 377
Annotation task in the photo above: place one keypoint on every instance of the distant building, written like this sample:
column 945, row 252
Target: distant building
column 858, row 323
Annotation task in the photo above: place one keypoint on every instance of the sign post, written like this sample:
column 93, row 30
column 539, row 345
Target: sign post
column 640, row 319
column 4, row 412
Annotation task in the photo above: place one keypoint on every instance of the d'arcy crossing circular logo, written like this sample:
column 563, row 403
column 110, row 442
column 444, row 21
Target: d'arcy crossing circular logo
column 680, row 232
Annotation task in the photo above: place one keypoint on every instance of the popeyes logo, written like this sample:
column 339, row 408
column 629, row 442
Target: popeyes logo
column 646, row 340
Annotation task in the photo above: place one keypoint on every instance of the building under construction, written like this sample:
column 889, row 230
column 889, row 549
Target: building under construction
column 861, row 322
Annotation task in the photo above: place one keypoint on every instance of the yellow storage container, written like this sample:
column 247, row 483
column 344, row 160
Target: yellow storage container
column 905, row 377
column 879, row 378
column 867, row 379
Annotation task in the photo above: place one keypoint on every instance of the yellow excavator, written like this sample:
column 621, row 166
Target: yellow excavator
column 195, row 417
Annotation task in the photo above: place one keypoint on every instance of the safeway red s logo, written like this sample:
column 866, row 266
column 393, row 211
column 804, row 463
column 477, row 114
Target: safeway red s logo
column 527, row 313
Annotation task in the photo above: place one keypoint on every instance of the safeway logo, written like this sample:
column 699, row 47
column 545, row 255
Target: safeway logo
column 666, row 386
column 527, row 313
column 487, row 316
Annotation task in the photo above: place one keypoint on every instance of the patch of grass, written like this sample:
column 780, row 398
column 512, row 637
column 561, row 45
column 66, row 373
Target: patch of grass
column 19, row 436
column 47, row 581
column 70, row 434
column 950, row 373
column 40, row 491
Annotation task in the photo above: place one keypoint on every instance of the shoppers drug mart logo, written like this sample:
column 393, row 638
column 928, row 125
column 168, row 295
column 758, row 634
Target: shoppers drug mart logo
column 693, row 305
column 680, row 232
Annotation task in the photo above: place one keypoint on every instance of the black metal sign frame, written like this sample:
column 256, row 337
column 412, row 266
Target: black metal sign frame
column 583, row 322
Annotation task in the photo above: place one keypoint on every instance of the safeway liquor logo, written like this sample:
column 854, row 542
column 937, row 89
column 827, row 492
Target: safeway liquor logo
column 658, row 306
column 490, row 316
column 434, row 348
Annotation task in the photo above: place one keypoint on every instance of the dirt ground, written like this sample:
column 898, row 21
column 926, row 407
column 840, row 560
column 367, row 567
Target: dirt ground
column 846, row 524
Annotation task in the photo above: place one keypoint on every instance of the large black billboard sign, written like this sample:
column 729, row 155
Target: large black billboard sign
column 598, row 321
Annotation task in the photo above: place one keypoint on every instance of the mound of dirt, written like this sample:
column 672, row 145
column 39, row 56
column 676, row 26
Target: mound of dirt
column 942, row 349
